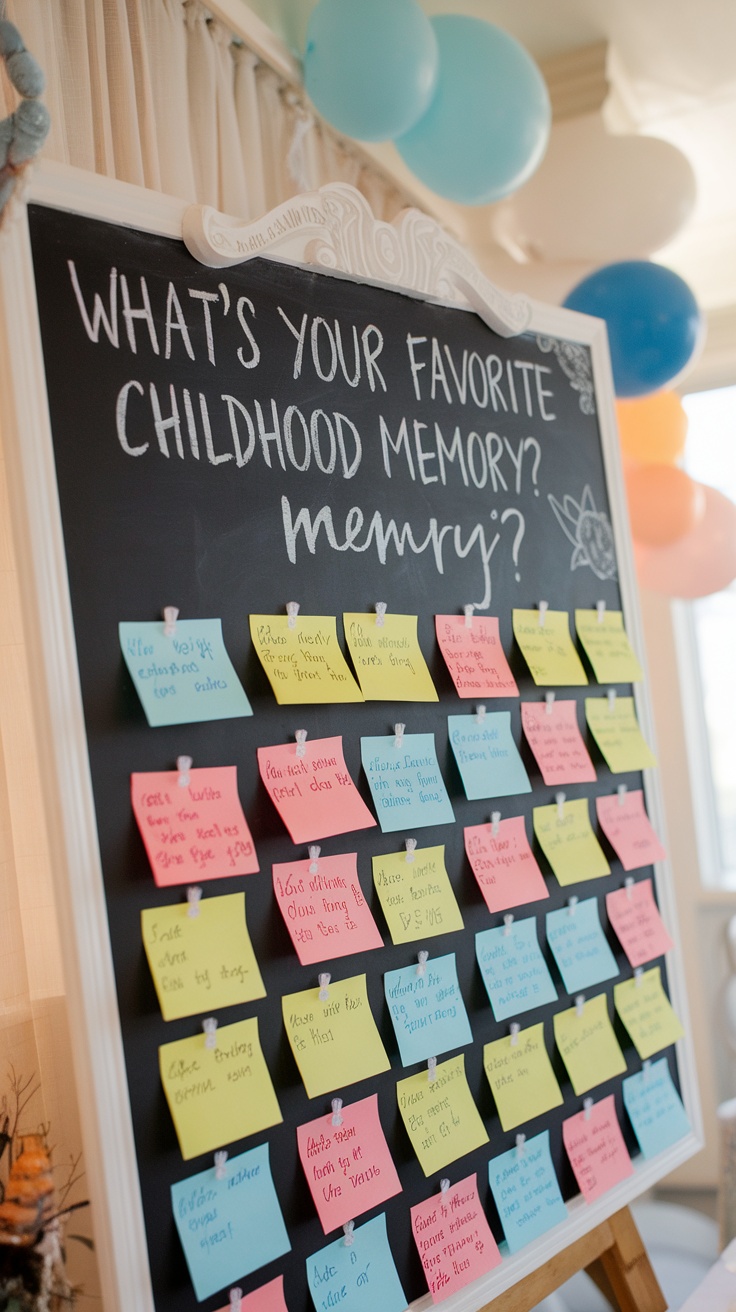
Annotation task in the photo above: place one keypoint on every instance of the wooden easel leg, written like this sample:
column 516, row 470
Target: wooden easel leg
column 623, row 1272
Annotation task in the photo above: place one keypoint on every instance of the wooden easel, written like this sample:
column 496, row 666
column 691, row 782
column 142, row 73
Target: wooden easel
column 615, row 1259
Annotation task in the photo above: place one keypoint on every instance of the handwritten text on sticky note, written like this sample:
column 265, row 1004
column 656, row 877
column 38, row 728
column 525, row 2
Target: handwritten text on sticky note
column 303, row 660
column 547, row 647
column 638, row 925
column 626, row 826
column 526, row 1192
column 521, row 1077
column 416, row 895
column 607, row 646
column 193, row 830
column 454, row 1239
column 555, row 739
column 183, row 678
column 324, row 908
column 487, row 756
column 347, row 1162
column 647, row 1012
column 427, row 1009
column 617, row 733
column 568, row 842
column 587, row 1044
column 387, row 658
column 515, row 973
column 405, row 781
column 360, row 1277
column 655, row 1108
column 334, row 1040
column 503, row 864
column 314, row 793
column 201, row 962
column 579, row 946
column 440, row 1116
column 474, row 656
column 595, row 1145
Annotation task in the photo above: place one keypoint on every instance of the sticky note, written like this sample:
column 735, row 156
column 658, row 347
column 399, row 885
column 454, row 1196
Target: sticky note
column 587, row 1044
column 515, row 973
column 324, row 909
column 521, row 1077
column 313, row 793
column 348, row 1166
column 607, row 646
column 335, row 1042
column 579, row 946
column 626, row 825
column 552, row 732
column 453, row 1238
column 503, row 864
column 195, row 830
column 487, row 756
column 220, row 1094
column 427, row 1009
column 201, row 962
column 268, row 1298
column 526, row 1192
column 637, row 923
column 387, row 658
column 184, row 678
column 440, row 1116
column 647, row 1012
column 303, row 662
column 474, row 656
column 360, row 1277
column 547, row 647
column 232, row 1226
column 416, row 895
column 405, row 781
column 568, row 842
column 655, row 1109
column 595, row 1145
column 616, row 731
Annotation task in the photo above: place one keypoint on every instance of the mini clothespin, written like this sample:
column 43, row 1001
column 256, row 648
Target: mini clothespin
column 611, row 700
column 549, row 698
column 432, row 1069
column 209, row 1025
column 314, row 852
column 194, row 897
column 580, row 1005
column 236, row 1299
column 381, row 609
column 399, row 735
column 495, row 822
column 508, row 921
column 347, row 1230
column 422, row 959
column 520, row 1145
column 621, row 790
column 587, row 1108
column 444, row 1186
column 301, row 742
column 601, row 609
column 638, row 976
column 480, row 713
column 337, row 1111
column 543, row 608
column 515, row 1029
column 560, row 800
column 183, row 765
column 220, row 1167
column 292, row 610
column 571, row 905
column 171, row 615
column 411, row 847
column 324, row 983
column 469, row 615
column 646, row 1069
column 628, row 885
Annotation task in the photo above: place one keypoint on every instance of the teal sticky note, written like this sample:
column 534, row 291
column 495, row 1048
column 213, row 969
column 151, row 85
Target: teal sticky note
column 526, row 1192
column 579, row 946
column 232, row 1226
column 359, row 1277
column 184, row 677
column 655, row 1109
column 487, row 756
column 405, row 782
column 515, row 973
column 427, row 1009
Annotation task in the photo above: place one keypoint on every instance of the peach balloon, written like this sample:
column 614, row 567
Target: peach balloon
column 652, row 428
column 664, row 503
column 702, row 562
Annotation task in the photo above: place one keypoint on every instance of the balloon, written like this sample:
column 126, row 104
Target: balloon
column 653, row 428
column 654, row 324
column 370, row 66
column 597, row 197
column 488, row 124
column 702, row 562
column 664, row 504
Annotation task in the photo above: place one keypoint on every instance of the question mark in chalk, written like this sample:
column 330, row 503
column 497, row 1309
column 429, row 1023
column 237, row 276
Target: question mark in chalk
column 519, row 535
column 532, row 441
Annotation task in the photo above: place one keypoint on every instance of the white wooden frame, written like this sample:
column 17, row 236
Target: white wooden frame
column 61, row 741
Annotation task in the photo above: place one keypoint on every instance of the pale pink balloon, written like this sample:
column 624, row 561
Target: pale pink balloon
column 702, row 562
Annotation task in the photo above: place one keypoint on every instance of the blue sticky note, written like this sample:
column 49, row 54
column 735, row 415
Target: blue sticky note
column 359, row 1277
column 232, row 1226
column 427, row 1009
column 579, row 946
column 515, row 973
column 407, row 787
column 487, row 756
column 526, row 1192
column 185, row 677
column 655, row 1109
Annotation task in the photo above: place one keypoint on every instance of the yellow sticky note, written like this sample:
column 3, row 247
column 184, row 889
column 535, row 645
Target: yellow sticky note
column 587, row 1044
column 547, row 647
column 440, row 1116
column 607, row 646
column 203, row 962
column 613, row 723
column 387, row 658
column 416, row 895
column 334, row 1040
column 565, row 835
column 304, row 663
column 521, row 1077
column 647, row 1013
column 219, row 1094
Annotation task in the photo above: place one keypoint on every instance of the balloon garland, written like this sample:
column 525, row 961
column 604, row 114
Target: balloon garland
column 23, row 132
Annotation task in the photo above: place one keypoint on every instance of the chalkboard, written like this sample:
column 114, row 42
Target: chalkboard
column 225, row 441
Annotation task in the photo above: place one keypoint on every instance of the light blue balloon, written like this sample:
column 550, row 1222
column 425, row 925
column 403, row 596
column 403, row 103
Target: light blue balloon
column 487, row 127
column 370, row 66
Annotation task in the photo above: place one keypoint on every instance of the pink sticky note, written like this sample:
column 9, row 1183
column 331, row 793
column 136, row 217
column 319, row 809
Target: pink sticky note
column 313, row 793
column 504, row 864
column 324, row 908
column 595, row 1145
column 349, row 1167
column 269, row 1298
column 453, row 1238
column 637, row 923
column 557, row 743
column 474, row 656
column 195, row 830
column 626, row 825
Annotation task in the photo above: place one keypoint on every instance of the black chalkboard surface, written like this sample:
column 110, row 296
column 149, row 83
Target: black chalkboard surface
column 228, row 441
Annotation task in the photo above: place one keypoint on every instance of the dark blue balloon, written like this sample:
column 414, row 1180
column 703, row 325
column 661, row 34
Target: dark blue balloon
column 654, row 324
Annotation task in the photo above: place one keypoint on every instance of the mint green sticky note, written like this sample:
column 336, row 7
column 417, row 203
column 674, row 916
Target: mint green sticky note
column 487, row 756
column 357, row 1277
column 579, row 946
column 427, row 1009
column 184, row 677
column 526, row 1192
column 515, row 973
